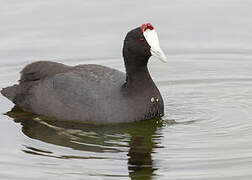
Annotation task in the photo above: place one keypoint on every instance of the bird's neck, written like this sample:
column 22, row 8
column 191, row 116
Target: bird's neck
column 137, row 74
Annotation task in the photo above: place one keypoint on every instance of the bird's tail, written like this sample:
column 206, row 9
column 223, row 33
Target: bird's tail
column 10, row 92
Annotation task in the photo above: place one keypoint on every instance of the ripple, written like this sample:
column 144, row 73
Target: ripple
column 206, row 132
column 220, row 133
column 204, row 81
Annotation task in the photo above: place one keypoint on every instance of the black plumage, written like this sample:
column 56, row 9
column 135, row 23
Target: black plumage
column 92, row 93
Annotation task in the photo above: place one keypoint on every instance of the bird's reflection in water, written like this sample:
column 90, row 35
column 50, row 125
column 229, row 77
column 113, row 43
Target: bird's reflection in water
column 140, row 163
column 139, row 139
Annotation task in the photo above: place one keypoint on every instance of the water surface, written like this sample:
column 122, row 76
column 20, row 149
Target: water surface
column 206, row 132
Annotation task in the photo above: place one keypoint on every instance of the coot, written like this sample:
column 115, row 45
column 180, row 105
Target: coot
column 94, row 93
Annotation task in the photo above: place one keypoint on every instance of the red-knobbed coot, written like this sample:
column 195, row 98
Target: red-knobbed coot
column 94, row 93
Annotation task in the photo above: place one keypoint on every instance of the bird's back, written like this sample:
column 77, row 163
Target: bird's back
column 82, row 93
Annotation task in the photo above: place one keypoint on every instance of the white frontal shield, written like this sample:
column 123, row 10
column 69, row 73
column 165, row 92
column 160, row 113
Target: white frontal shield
column 152, row 39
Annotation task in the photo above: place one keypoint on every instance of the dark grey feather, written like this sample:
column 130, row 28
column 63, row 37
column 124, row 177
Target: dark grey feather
column 91, row 93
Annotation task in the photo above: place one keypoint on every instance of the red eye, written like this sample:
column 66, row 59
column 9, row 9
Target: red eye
column 142, row 40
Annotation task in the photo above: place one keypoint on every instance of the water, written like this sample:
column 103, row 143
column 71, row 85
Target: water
column 206, row 85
